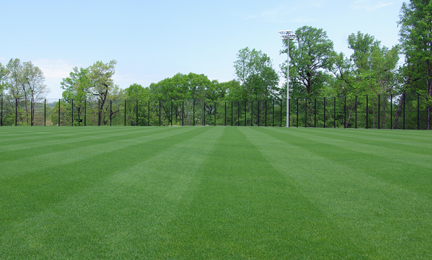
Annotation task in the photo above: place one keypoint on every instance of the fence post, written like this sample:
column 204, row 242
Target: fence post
column 345, row 122
column 225, row 113
column 406, row 96
column 79, row 118
column 305, row 112
column 355, row 124
column 315, row 121
column 125, row 110
column 245, row 111
column 273, row 113
column 72, row 113
column 85, row 112
column 44, row 112
column 252, row 113
column 16, row 111
column 297, row 112
column 367, row 111
column 324, row 111
column 280, row 116
column 391, row 111
column 1, row 111
column 289, row 111
column 31, row 113
column 258, row 114
column 232, row 113
column 136, row 113
column 334, row 112
column 379, row 111
column 59, row 122
column 418, row 111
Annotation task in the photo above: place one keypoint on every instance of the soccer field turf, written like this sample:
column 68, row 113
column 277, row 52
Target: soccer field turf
column 215, row 192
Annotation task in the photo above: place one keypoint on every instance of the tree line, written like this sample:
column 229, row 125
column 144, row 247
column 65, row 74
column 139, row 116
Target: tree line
column 316, row 70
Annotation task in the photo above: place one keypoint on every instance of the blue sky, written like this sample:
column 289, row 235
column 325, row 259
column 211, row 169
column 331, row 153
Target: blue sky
column 153, row 40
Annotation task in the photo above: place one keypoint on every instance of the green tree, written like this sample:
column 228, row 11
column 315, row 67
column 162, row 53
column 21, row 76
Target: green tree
column 25, row 85
column 311, row 58
column 255, row 72
column 416, row 39
column 100, row 75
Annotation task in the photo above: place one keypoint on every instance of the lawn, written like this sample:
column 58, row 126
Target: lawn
column 215, row 193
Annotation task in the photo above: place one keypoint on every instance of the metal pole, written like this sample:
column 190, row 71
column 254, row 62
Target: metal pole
column 288, row 115
column 238, row 113
column 273, row 113
column 72, row 113
column 418, row 111
column 305, row 112
column 379, row 111
column 31, row 113
column 391, row 111
column 297, row 112
column 345, row 123
column 59, row 122
column 79, row 119
column 136, row 113
column 355, row 113
column 1, row 111
column 252, row 113
column 85, row 112
column 367, row 111
column 258, row 114
column 315, row 115
column 245, row 111
column 334, row 112
column 406, row 96
column 281, row 105
column 45, row 112
column 225, row 113
column 16, row 111
column 324, row 112
column 232, row 113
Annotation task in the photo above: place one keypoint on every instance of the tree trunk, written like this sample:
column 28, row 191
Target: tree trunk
column 349, row 114
column 399, row 111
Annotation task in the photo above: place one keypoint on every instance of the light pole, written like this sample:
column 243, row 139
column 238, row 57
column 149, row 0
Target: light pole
column 287, row 35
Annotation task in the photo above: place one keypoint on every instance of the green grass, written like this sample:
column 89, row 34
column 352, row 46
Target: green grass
column 214, row 193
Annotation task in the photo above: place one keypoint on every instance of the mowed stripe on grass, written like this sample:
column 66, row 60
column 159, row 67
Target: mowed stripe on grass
column 214, row 192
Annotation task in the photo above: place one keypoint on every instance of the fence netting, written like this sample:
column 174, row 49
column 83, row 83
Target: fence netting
column 405, row 111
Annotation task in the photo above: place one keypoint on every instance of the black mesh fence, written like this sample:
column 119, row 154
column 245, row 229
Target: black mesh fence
column 405, row 111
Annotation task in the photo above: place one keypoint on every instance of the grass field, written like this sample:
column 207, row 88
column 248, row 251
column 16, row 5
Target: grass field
column 215, row 193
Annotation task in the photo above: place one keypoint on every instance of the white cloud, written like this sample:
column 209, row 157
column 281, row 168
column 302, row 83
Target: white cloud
column 369, row 5
column 54, row 69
